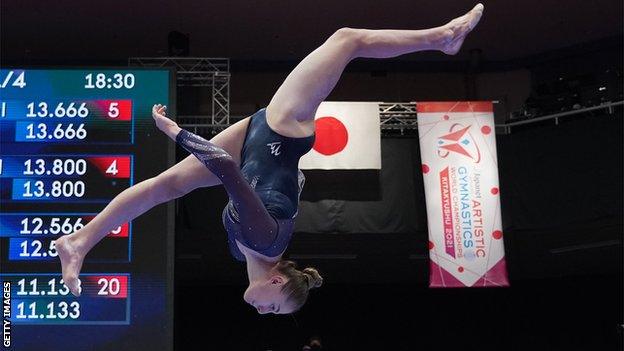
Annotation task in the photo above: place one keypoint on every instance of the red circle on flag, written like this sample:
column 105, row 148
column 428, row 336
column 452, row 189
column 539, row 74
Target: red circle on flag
column 425, row 169
column 460, row 269
column 431, row 245
column 486, row 130
column 331, row 136
column 494, row 190
column 446, row 117
column 497, row 234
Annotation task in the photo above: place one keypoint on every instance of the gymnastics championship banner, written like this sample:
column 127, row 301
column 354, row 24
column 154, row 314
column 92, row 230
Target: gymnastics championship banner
column 460, row 173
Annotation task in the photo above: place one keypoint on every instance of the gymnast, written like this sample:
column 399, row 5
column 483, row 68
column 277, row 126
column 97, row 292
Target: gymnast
column 256, row 160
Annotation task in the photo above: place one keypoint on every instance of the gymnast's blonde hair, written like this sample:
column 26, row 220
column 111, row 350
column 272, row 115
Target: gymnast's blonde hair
column 299, row 282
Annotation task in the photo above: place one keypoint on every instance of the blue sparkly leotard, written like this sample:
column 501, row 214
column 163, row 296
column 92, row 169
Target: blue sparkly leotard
column 264, row 191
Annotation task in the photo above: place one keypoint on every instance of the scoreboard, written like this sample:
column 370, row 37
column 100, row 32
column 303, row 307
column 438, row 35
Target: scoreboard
column 70, row 141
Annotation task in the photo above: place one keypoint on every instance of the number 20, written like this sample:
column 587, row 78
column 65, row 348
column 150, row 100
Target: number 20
column 109, row 287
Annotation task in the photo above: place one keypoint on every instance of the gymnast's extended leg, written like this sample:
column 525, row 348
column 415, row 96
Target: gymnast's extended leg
column 292, row 109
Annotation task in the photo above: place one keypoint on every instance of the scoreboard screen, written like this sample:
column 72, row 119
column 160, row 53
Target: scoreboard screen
column 70, row 141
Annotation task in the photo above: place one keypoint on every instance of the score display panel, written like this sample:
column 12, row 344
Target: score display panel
column 70, row 141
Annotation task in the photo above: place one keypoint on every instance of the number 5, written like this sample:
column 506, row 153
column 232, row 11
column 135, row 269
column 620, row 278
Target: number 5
column 113, row 110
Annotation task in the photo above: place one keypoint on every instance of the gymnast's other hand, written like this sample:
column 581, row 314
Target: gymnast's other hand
column 166, row 125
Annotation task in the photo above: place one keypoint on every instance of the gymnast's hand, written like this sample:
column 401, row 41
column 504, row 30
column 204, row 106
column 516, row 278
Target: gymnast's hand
column 167, row 126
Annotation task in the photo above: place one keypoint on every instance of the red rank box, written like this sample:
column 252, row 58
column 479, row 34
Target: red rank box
column 115, row 110
column 106, row 286
column 112, row 166
column 119, row 232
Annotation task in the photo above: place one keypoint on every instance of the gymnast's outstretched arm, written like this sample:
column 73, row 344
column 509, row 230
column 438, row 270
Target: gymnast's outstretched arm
column 259, row 229
column 176, row 181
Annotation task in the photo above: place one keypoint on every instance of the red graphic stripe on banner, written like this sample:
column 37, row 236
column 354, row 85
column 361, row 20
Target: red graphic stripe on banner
column 455, row 106
column 447, row 212
column 440, row 278
column 494, row 277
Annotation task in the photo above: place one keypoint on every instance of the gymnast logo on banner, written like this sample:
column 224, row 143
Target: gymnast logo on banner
column 459, row 141
column 460, row 174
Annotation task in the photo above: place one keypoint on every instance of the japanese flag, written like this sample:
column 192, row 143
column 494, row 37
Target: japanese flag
column 347, row 137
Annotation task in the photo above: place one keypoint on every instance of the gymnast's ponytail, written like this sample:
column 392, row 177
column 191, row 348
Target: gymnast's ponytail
column 313, row 278
column 299, row 282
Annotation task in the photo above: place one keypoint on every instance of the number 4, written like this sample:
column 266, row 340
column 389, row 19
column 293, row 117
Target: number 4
column 19, row 82
column 112, row 169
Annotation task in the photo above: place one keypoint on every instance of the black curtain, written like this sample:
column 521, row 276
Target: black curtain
column 550, row 177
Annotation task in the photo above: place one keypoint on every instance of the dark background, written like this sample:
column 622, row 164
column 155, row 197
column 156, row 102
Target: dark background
column 561, row 186
column 561, row 200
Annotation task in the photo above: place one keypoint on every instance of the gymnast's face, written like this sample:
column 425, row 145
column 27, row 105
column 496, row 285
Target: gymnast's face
column 267, row 297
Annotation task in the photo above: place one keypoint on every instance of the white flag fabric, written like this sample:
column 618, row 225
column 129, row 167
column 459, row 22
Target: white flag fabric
column 460, row 174
column 347, row 137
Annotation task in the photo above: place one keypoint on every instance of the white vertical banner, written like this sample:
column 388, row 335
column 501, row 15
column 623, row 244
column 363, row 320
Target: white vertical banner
column 460, row 173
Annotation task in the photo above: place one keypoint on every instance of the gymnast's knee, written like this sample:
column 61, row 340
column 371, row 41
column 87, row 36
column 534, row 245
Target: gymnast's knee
column 347, row 33
column 349, row 37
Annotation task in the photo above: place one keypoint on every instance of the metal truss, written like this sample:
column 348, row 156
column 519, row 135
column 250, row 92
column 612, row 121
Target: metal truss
column 205, row 72
column 608, row 106
column 398, row 118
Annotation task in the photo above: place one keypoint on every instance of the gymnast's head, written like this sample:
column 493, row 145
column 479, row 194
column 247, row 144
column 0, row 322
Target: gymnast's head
column 286, row 289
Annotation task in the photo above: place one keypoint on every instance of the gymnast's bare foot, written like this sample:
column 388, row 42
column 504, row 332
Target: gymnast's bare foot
column 71, row 262
column 456, row 30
